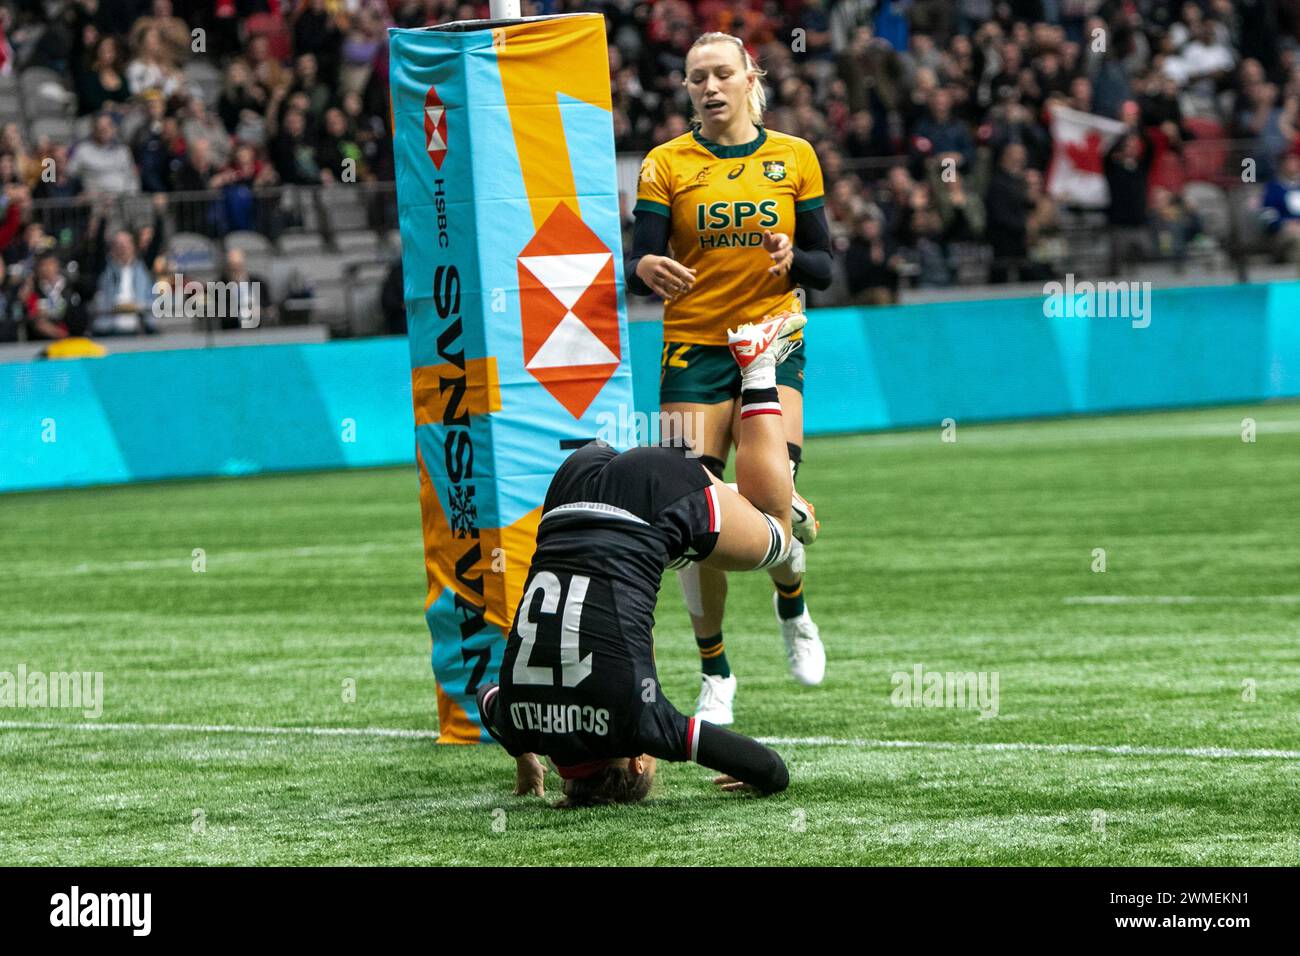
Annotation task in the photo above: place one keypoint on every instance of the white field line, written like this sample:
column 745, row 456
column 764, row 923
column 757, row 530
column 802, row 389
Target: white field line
column 1121, row 750
column 1183, row 599
column 217, row 558
column 222, row 729
column 1065, row 431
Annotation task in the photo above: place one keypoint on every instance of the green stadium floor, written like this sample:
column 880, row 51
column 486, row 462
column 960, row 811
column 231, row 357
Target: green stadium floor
column 1126, row 689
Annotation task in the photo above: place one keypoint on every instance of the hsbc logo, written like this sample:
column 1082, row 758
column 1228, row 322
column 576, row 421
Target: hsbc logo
column 569, row 310
column 435, row 127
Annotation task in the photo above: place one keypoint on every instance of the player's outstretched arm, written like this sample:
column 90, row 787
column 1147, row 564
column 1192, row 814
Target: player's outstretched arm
column 744, row 763
column 529, row 771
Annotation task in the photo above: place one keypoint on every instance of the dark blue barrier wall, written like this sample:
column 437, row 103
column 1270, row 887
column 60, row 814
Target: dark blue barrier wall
column 150, row 415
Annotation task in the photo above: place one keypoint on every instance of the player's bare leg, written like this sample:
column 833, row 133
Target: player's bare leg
column 756, row 517
column 704, row 590
column 805, row 653
column 707, row 428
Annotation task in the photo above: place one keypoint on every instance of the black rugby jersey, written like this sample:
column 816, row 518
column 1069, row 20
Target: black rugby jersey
column 578, row 680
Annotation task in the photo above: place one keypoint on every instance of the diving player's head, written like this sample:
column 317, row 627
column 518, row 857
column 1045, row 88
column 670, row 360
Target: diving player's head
column 618, row 780
column 723, row 82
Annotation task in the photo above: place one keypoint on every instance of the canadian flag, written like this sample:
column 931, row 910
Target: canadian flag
column 1079, row 144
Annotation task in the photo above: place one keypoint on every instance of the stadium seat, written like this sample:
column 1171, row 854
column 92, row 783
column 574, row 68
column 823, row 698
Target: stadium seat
column 302, row 242
column 194, row 254
column 11, row 104
column 255, row 246
column 360, row 244
column 1211, row 204
column 345, row 207
column 44, row 93
column 58, row 129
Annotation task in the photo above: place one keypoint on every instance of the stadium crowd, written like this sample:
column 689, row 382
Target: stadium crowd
column 930, row 118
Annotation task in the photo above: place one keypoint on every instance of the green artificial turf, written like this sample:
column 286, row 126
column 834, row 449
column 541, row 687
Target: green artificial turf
column 965, row 556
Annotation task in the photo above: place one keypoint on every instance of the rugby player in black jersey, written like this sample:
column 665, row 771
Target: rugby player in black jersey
column 578, row 682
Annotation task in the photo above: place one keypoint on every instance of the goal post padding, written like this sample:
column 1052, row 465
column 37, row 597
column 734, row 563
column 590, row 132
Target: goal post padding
column 513, row 277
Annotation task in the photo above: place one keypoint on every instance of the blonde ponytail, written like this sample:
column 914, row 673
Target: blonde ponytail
column 757, row 95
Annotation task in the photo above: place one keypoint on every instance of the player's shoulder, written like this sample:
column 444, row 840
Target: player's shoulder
column 778, row 140
column 677, row 149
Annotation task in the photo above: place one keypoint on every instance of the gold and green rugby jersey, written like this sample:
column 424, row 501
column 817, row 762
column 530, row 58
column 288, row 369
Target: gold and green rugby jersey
column 719, row 200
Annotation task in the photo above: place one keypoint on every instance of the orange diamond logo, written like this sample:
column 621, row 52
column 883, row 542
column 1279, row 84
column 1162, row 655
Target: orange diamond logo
column 569, row 309
column 435, row 127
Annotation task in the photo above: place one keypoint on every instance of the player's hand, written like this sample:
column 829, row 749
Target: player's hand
column 666, row 277
column 732, row 785
column 528, row 776
column 779, row 248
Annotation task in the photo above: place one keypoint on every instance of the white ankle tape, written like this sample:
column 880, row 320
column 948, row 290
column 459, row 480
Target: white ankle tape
column 762, row 374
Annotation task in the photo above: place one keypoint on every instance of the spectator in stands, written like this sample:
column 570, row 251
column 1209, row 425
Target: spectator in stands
column 1173, row 226
column 124, row 300
column 1280, row 208
column 318, row 31
column 152, row 145
column 960, row 211
column 198, row 169
column 172, row 30
column 51, row 304
column 237, row 181
column 201, row 124
column 26, row 164
column 242, row 104
column 14, row 203
column 1271, row 126
column 102, row 164
column 307, row 80
column 264, row 68
column 941, row 133
column 337, row 156
column 248, row 297
column 870, row 265
column 363, row 42
column 1007, row 204
column 199, row 213
column 1204, row 61
column 61, row 184
column 102, row 85
column 293, row 152
column 9, row 170
column 1127, row 165
column 153, row 67
column 366, row 130
column 21, row 254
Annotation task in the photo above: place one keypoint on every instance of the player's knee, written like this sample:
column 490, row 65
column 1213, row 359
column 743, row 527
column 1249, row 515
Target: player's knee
column 779, row 538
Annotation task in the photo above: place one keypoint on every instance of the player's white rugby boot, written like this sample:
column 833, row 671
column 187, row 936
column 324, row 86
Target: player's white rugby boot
column 767, row 341
column 804, row 652
column 717, row 694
